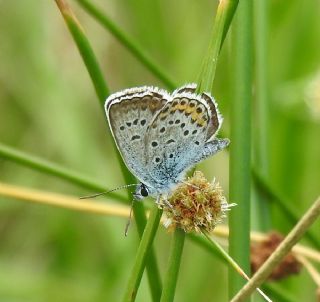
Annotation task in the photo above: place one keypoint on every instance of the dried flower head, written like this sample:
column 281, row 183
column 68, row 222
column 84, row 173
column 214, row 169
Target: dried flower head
column 260, row 253
column 195, row 204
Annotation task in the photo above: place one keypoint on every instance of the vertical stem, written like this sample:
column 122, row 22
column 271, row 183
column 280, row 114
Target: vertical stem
column 152, row 267
column 239, row 219
column 143, row 252
column 261, row 131
column 224, row 15
column 171, row 277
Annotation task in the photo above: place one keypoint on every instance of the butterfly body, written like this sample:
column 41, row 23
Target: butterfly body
column 160, row 135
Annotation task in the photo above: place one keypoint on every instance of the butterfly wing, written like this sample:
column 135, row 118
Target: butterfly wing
column 177, row 137
column 129, row 114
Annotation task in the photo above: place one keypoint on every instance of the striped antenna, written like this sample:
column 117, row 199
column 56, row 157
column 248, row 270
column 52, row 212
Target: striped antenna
column 106, row 192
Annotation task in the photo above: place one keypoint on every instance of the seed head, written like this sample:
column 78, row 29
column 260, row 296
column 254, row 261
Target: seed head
column 196, row 204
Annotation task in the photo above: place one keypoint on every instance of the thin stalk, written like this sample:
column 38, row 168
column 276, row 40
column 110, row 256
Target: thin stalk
column 224, row 15
column 240, row 137
column 151, row 264
column 281, row 251
column 63, row 201
column 230, row 11
column 85, row 50
column 92, row 65
column 199, row 240
column 278, row 293
column 142, row 254
column 171, row 276
column 47, row 167
column 233, row 264
column 127, row 42
column 262, row 107
column 102, row 92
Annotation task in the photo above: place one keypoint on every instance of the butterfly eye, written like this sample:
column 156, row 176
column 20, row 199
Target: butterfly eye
column 144, row 191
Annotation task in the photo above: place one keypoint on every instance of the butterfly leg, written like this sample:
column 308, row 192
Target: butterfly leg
column 213, row 147
column 163, row 200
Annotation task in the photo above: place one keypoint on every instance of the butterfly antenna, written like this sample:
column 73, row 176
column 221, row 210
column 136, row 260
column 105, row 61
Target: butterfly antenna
column 129, row 219
column 106, row 192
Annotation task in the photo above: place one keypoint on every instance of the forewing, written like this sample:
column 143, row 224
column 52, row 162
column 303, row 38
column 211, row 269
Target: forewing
column 129, row 114
column 178, row 134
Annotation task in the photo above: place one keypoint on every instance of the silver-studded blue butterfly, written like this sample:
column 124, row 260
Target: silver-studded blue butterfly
column 161, row 135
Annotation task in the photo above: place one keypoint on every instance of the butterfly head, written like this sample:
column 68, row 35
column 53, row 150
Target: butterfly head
column 142, row 191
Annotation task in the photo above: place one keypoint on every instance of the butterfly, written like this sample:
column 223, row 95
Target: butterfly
column 160, row 136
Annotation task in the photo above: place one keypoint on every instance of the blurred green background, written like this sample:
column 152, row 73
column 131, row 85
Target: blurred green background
column 48, row 108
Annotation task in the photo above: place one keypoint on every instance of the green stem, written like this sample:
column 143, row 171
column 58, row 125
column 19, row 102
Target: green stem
column 239, row 180
column 261, row 115
column 129, row 43
column 85, row 50
column 47, row 167
column 201, row 241
column 142, row 254
column 231, row 7
column 229, row 261
column 224, row 15
column 153, row 272
column 171, row 276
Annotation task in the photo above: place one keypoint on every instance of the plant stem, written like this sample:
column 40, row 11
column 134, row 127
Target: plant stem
column 47, row 167
column 85, row 50
column 153, row 272
column 281, row 251
column 240, row 147
column 62, row 201
column 142, row 254
column 224, row 15
column 233, row 264
column 171, row 276
column 231, row 7
column 262, row 108
column 127, row 42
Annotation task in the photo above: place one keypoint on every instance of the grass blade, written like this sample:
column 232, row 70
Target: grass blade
column 171, row 276
column 211, row 60
column 47, row 167
column 240, row 147
column 127, row 42
column 261, row 132
column 85, row 50
column 224, row 15
column 142, row 254
column 233, row 264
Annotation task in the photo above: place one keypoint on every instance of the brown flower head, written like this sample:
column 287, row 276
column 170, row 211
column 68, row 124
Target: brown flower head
column 195, row 204
column 260, row 253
